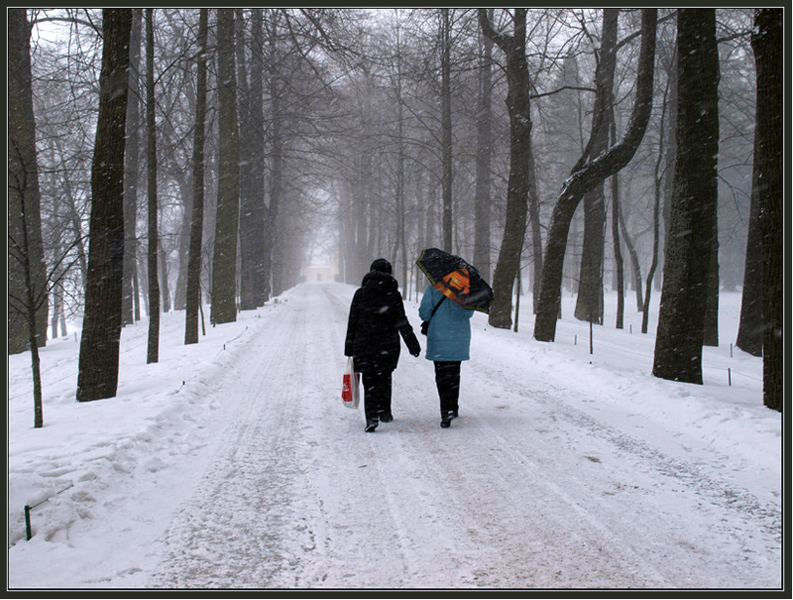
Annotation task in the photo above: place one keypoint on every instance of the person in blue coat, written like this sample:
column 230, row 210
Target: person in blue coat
column 448, row 344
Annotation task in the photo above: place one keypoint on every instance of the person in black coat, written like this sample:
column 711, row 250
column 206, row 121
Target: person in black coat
column 377, row 318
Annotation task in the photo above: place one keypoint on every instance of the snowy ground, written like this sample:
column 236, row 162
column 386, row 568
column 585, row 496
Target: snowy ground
column 233, row 464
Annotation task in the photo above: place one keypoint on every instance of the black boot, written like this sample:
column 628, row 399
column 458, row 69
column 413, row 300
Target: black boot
column 446, row 419
column 371, row 426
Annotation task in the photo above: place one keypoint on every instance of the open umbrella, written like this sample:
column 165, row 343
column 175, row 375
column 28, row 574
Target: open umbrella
column 456, row 279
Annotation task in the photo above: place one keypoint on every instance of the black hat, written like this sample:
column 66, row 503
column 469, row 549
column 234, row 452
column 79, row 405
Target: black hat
column 381, row 265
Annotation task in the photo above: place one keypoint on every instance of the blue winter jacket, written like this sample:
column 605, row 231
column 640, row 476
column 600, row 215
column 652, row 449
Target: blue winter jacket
column 449, row 334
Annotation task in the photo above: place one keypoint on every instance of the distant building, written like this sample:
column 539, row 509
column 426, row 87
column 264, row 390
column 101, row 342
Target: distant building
column 319, row 272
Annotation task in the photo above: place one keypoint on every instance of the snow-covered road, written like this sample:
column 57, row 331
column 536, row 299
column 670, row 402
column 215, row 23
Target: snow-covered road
column 538, row 484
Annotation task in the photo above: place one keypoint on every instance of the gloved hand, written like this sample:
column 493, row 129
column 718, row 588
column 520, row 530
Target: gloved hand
column 415, row 348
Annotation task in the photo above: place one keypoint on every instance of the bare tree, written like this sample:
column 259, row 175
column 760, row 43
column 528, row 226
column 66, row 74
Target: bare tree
column 750, row 329
column 658, row 180
column 27, row 293
column 193, row 297
column 767, row 42
column 585, row 175
column 97, row 376
column 257, row 158
column 224, row 264
column 446, row 128
column 131, row 173
column 25, row 245
column 589, row 304
column 153, row 348
column 276, row 87
column 684, row 297
column 518, row 105
column 250, row 197
column 484, row 154
column 400, row 239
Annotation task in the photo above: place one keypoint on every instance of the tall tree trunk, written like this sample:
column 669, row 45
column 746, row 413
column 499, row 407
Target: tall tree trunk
column 224, row 269
column 670, row 160
column 27, row 274
column 620, row 268
column 658, row 181
column 446, row 128
column 165, row 287
column 520, row 124
column 536, row 234
column 750, row 329
column 484, row 153
column 277, row 160
column 57, row 305
column 97, row 375
column 684, row 297
column 248, row 194
column 193, row 297
column 153, row 347
column 136, row 293
column 400, row 241
column 617, row 224
column 26, row 264
column 589, row 304
column 585, row 176
column 73, row 217
column 257, row 208
column 182, row 245
column 710, row 332
column 401, row 209
column 589, row 301
column 636, row 269
column 767, row 42
column 131, row 168
column 32, row 305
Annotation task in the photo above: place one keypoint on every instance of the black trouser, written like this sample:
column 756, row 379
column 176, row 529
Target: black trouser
column 447, row 378
column 377, row 395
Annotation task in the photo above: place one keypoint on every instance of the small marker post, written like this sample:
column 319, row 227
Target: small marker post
column 27, row 522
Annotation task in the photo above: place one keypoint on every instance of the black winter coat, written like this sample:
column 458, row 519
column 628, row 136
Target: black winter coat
column 377, row 317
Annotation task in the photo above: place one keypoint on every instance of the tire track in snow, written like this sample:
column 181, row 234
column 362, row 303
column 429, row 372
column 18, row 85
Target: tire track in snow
column 735, row 512
column 373, row 504
column 725, row 495
column 436, row 540
column 508, row 512
column 433, row 479
column 229, row 534
column 284, row 504
column 521, row 491
column 365, row 515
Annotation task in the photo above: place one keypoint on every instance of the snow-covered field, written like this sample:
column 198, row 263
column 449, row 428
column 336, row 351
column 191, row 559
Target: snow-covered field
column 233, row 464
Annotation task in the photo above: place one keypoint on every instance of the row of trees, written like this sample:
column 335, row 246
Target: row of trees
column 481, row 131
